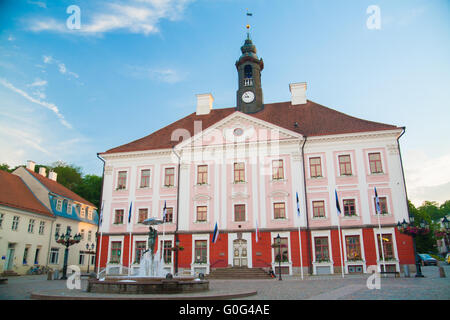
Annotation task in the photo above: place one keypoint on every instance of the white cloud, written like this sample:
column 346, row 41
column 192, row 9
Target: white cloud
column 167, row 75
column 61, row 66
column 44, row 104
column 11, row 38
column 425, row 175
column 38, row 83
column 134, row 16
column 38, row 3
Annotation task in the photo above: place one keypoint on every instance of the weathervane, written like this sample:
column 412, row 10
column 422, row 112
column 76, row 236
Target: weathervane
column 249, row 14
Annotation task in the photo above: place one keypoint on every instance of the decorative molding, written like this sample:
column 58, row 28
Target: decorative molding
column 393, row 149
column 278, row 193
column 239, row 195
column 201, row 197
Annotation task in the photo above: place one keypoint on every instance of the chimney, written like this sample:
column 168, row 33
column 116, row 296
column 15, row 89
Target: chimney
column 42, row 171
column 298, row 92
column 31, row 165
column 52, row 175
column 204, row 103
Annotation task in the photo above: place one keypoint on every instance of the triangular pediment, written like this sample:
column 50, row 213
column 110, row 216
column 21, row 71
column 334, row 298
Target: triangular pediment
column 239, row 128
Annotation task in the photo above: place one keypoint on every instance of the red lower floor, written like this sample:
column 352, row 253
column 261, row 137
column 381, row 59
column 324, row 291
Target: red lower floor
column 321, row 251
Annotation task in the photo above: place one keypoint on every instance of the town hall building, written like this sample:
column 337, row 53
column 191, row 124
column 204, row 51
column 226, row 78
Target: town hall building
column 268, row 176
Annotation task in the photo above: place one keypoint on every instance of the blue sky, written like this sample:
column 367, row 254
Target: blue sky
column 135, row 66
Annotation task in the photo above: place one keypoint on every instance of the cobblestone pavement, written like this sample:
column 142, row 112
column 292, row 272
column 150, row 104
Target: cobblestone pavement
column 432, row 287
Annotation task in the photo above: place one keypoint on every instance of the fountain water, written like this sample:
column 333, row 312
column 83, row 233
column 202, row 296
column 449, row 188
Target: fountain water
column 151, row 266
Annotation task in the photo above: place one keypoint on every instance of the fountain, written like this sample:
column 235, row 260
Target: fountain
column 151, row 277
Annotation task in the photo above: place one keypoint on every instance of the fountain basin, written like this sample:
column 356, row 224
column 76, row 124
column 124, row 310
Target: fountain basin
column 146, row 285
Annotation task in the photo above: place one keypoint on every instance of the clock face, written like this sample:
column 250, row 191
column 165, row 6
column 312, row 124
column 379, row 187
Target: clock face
column 248, row 96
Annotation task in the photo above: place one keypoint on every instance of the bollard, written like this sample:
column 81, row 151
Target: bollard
column 406, row 270
column 441, row 272
column 49, row 275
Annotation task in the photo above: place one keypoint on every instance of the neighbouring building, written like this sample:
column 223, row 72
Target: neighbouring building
column 242, row 168
column 56, row 208
column 25, row 226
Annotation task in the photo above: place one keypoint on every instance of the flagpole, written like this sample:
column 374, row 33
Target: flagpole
column 340, row 248
column 377, row 209
column 129, row 241
column 100, row 241
column 301, row 256
column 338, row 210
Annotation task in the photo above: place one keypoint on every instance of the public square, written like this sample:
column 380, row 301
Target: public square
column 431, row 287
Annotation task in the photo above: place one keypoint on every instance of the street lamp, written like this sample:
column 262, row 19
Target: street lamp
column 90, row 251
column 410, row 229
column 278, row 240
column 177, row 245
column 67, row 240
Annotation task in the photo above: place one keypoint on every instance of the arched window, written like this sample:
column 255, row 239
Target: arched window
column 248, row 71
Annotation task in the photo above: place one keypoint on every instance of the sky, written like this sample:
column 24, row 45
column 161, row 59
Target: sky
column 69, row 90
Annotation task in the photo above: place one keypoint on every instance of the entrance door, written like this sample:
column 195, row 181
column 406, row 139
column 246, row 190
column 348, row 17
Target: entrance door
column 240, row 253
column 10, row 257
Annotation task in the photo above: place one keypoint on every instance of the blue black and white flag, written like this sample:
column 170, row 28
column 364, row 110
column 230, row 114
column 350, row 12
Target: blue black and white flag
column 338, row 207
column 377, row 201
column 257, row 231
column 298, row 205
column 215, row 233
column 164, row 211
column 101, row 214
column 129, row 213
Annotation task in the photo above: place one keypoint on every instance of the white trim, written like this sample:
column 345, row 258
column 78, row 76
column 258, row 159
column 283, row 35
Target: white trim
column 287, row 235
column 330, row 264
column 197, row 237
column 352, row 162
column 140, row 177
column 354, row 232
column 396, row 261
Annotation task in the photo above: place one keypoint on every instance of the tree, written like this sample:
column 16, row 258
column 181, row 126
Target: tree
column 69, row 176
column 90, row 189
column 5, row 167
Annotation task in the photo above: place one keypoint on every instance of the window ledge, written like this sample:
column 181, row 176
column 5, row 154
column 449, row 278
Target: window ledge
column 317, row 178
column 239, row 182
column 168, row 187
column 279, row 219
column 320, row 218
column 278, row 180
column 377, row 174
column 202, row 185
column 201, row 222
column 355, row 217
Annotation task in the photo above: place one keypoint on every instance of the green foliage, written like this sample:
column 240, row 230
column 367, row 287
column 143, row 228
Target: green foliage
column 432, row 213
column 5, row 167
column 90, row 189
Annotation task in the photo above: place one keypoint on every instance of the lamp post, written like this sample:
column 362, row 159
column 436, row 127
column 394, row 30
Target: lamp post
column 412, row 230
column 177, row 244
column 67, row 240
column 446, row 225
column 278, row 238
column 90, row 251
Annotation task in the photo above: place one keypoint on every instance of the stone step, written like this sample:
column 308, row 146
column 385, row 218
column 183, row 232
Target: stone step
column 238, row 273
column 9, row 273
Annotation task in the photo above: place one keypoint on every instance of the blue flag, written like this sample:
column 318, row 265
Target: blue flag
column 216, row 233
column 257, row 233
column 298, row 205
column 337, row 203
column 129, row 213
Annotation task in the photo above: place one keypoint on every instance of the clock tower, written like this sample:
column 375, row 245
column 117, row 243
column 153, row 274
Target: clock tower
column 249, row 94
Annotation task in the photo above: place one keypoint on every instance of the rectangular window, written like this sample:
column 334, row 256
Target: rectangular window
column 169, row 215
column 279, row 210
column 239, row 172
column 143, row 214
column 57, row 228
column 118, row 217
column 315, row 167
column 167, row 250
column 69, row 208
column 1, row 219
column 239, row 212
column 202, row 212
column 89, row 211
column 36, row 255
column 321, row 247
column 41, row 227
column 277, row 170
column 387, row 247
column 83, row 212
column 89, row 235
column 345, row 165
column 375, row 163
column 140, row 247
column 15, row 223
column 31, row 226
column 202, row 174
column 201, row 251
column 284, row 250
column 25, row 255
column 383, row 205
column 318, row 209
column 145, row 178
column 169, row 177
column 353, row 247
column 349, row 207
column 122, row 180
column 54, row 255
column 82, row 234
column 81, row 259
column 59, row 204
column 116, row 247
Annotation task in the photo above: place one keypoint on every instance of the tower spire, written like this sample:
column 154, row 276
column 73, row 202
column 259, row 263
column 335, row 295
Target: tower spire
column 249, row 94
